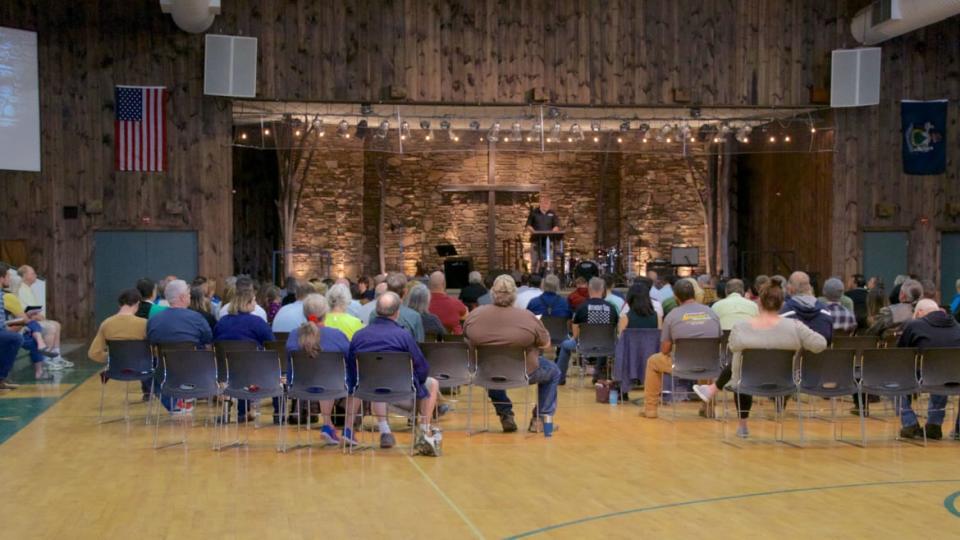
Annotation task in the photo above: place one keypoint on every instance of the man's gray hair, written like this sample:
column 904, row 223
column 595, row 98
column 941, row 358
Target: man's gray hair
column 175, row 289
column 418, row 299
column 900, row 279
column 799, row 284
column 551, row 283
column 704, row 280
column 388, row 304
column 396, row 282
column 910, row 291
column 597, row 285
column 339, row 296
column 833, row 289
column 475, row 277
column 735, row 286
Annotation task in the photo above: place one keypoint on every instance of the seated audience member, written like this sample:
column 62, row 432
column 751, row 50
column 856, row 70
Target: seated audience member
column 450, row 310
column 930, row 290
column 338, row 300
column 532, row 291
column 641, row 313
column 734, row 307
column 672, row 301
column 290, row 315
column 657, row 306
column 487, row 297
column 177, row 324
column 876, row 301
column 240, row 324
column 314, row 336
column 148, row 296
column 368, row 310
column 955, row 303
column 474, row 290
column 758, row 284
column 31, row 333
column 271, row 302
column 25, row 291
column 690, row 319
column 930, row 328
column 289, row 291
column 768, row 330
column 897, row 285
column 408, row 319
column 200, row 304
column 418, row 299
column 580, row 293
column 614, row 300
column 706, row 283
column 242, row 284
column 501, row 324
column 662, row 288
column 550, row 303
column 844, row 321
column 162, row 286
column 890, row 319
column 124, row 326
column 365, row 290
column 595, row 310
column 857, row 293
column 10, row 343
column 32, row 293
column 384, row 334
column 353, row 308
column 803, row 306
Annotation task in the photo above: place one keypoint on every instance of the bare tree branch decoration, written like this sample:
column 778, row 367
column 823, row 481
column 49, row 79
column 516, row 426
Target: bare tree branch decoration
column 703, row 188
column 294, row 157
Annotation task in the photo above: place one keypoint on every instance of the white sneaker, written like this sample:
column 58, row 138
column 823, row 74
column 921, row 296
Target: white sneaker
column 743, row 432
column 703, row 392
column 64, row 362
column 53, row 365
column 428, row 444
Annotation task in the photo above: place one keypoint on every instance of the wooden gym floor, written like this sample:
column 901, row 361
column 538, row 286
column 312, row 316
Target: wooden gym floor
column 606, row 473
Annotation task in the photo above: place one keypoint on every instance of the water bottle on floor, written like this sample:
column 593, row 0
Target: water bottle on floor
column 614, row 396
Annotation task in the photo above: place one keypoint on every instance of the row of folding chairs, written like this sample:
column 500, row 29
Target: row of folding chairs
column 239, row 370
column 895, row 373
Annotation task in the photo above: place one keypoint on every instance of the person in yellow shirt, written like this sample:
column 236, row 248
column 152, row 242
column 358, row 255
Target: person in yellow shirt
column 125, row 325
column 339, row 299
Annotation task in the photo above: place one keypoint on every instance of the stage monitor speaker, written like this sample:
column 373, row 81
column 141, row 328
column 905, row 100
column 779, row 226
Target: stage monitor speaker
column 445, row 250
column 230, row 66
column 855, row 77
column 457, row 271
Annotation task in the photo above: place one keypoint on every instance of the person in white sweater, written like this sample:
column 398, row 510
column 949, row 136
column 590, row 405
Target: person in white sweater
column 768, row 330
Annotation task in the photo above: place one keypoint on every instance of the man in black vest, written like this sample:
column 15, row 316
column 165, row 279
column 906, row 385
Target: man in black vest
column 542, row 219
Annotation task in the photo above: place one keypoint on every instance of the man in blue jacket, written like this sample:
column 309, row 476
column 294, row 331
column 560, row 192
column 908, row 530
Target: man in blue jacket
column 384, row 334
column 803, row 306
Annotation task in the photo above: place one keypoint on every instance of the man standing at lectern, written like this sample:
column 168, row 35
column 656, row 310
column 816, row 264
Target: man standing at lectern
column 542, row 219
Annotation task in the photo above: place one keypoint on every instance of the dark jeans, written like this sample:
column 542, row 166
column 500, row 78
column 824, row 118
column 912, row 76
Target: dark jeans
column 744, row 401
column 546, row 377
column 10, row 343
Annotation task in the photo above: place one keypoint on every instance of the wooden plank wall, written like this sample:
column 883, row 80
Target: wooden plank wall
column 868, row 169
column 84, row 50
column 603, row 52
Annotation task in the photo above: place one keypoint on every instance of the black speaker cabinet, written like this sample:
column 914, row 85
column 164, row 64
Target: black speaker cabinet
column 457, row 270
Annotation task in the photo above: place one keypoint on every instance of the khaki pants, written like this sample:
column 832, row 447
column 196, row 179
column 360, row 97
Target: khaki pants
column 657, row 365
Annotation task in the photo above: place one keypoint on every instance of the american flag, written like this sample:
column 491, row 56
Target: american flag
column 140, row 129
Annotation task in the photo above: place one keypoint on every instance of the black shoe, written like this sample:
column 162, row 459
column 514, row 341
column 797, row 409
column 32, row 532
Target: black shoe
column 912, row 432
column 508, row 423
column 563, row 382
column 933, row 431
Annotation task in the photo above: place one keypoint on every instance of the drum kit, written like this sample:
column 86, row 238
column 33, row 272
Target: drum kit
column 605, row 261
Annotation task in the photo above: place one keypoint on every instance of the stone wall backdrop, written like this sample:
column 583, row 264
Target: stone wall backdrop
column 660, row 206
column 601, row 198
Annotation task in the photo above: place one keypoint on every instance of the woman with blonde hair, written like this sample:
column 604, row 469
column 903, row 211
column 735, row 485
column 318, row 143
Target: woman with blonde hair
column 313, row 337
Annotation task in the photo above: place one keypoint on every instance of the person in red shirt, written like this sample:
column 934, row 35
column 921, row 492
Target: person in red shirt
column 450, row 310
column 580, row 295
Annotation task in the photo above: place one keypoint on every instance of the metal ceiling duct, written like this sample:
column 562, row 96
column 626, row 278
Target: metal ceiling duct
column 887, row 19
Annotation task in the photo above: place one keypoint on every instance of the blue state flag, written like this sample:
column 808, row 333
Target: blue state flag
column 924, row 136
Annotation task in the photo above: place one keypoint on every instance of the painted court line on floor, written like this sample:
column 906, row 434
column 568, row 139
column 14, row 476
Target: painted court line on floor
column 949, row 502
column 453, row 505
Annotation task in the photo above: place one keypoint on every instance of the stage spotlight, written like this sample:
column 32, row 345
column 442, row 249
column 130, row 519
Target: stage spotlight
column 404, row 130
column 382, row 130
column 474, row 125
column 625, row 125
column 786, row 138
column 266, row 131
column 576, row 133
column 595, row 125
column 424, row 124
column 343, row 129
column 555, row 132
column 366, row 109
column 494, row 132
column 516, row 133
column 243, row 136
column 553, row 112
column 362, row 129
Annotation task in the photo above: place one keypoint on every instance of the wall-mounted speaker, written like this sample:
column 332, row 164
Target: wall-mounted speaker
column 855, row 77
column 230, row 66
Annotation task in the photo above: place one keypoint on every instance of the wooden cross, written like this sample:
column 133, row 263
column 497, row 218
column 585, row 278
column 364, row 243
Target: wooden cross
column 491, row 188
